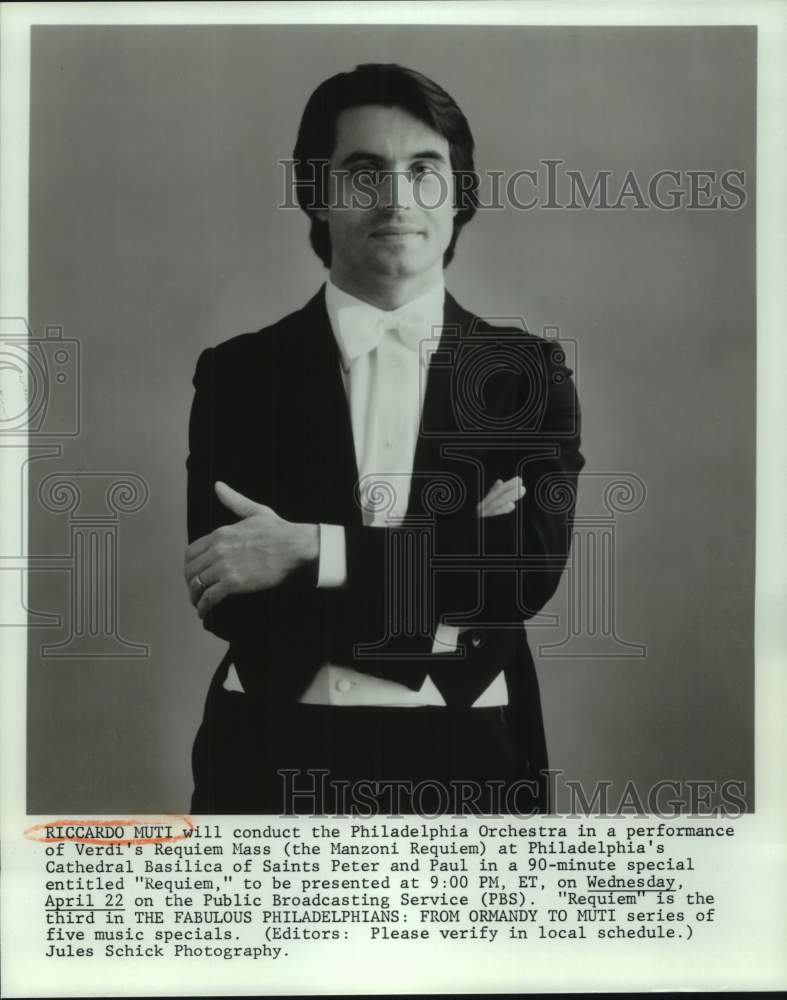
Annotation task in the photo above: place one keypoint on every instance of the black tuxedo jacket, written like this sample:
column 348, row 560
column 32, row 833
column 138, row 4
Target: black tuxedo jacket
column 270, row 418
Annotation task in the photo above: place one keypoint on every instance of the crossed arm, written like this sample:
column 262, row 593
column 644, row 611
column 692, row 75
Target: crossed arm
column 510, row 549
column 262, row 549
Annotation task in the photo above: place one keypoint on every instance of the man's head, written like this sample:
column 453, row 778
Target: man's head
column 402, row 181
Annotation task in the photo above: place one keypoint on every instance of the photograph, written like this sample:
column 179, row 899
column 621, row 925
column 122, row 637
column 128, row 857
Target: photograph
column 408, row 380
column 392, row 538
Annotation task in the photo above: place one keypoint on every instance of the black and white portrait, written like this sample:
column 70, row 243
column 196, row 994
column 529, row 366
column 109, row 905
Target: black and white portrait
column 426, row 355
column 391, row 430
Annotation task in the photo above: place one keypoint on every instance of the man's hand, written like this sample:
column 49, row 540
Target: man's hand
column 257, row 553
column 501, row 498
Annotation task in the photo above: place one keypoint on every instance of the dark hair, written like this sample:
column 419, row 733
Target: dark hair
column 389, row 85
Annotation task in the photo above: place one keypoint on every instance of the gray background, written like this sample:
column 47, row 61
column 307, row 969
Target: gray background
column 154, row 232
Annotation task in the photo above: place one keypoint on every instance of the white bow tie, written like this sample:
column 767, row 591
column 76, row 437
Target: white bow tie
column 365, row 332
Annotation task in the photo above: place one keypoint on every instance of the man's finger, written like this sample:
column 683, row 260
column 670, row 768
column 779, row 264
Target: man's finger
column 509, row 492
column 512, row 490
column 497, row 509
column 507, row 503
column 198, row 564
column 211, row 597
column 197, row 587
column 503, row 504
column 236, row 502
column 500, row 488
column 494, row 489
column 198, row 546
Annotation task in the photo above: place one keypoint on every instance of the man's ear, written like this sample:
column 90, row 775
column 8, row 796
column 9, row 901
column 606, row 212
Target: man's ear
column 321, row 214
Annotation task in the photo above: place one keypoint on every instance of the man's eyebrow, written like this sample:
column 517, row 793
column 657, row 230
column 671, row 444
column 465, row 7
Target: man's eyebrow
column 361, row 156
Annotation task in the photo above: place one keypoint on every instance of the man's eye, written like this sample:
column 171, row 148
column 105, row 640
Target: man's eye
column 419, row 169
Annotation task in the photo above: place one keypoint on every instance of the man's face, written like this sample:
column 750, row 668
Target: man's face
column 391, row 204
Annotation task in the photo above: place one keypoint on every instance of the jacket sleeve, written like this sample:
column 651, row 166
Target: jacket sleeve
column 213, row 439
column 492, row 572
column 203, row 509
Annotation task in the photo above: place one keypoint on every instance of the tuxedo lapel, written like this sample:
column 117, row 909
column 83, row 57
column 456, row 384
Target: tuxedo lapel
column 438, row 418
column 440, row 470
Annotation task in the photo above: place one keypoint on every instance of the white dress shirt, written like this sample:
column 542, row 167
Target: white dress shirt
column 384, row 364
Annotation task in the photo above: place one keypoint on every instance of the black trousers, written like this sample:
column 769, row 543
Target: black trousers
column 250, row 757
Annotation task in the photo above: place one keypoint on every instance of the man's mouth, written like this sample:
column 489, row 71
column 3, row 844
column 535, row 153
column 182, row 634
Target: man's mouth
column 393, row 232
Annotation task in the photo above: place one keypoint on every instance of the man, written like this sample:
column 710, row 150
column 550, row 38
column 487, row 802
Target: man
column 381, row 491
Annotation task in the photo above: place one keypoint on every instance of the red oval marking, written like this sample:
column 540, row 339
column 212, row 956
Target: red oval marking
column 106, row 841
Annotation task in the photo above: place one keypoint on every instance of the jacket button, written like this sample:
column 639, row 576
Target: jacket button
column 476, row 639
column 344, row 685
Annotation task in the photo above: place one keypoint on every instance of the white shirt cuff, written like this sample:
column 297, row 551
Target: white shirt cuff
column 446, row 639
column 332, row 566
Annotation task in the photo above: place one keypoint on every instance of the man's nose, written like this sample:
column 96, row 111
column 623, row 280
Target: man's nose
column 396, row 190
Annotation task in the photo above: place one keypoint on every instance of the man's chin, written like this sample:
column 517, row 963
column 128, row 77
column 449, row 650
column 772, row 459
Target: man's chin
column 401, row 264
